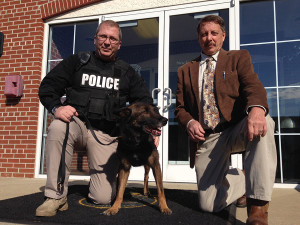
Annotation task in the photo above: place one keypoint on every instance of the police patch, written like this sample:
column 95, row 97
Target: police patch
column 98, row 81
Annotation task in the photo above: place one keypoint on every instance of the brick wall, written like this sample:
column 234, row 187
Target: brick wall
column 22, row 22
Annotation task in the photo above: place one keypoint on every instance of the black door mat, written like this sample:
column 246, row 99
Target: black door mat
column 136, row 209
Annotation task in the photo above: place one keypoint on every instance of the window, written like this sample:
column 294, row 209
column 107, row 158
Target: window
column 274, row 45
column 66, row 40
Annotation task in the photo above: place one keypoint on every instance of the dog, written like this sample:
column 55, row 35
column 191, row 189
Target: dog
column 138, row 124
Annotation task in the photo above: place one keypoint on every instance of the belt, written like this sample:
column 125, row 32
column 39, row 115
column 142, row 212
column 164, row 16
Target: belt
column 218, row 129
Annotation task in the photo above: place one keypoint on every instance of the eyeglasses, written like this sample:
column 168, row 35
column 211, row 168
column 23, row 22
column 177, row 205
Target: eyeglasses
column 103, row 38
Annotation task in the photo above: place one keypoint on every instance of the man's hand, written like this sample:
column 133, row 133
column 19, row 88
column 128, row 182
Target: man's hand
column 195, row 131
column 257, row 125
column 65, row 113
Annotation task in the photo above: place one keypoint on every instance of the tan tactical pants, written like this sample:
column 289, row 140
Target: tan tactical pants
column 102, row 160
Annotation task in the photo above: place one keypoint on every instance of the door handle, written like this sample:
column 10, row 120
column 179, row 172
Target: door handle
column 169, row 91
column 153, row 91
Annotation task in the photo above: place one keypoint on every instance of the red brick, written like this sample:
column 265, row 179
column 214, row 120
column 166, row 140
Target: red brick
column 26, row 170
column 13, row 161
column 18, row 175
column 8, row 156
column 14, row 142
column 29, row 175
column 30, row 156
column 7, row 165
column 12, row 170
column 30, row 166
column 31, row 147
column 21, row 146
column 27, row 160
column 19, row 156
column 20, row 165
column 6, row 175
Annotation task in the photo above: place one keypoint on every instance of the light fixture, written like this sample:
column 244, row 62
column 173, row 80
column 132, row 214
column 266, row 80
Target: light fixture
column 201, row 15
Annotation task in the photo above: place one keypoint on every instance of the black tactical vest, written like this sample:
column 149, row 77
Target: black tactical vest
column 95, row 90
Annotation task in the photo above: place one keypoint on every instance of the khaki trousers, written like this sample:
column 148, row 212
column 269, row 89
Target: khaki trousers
column 102, row 160
column 218, row 185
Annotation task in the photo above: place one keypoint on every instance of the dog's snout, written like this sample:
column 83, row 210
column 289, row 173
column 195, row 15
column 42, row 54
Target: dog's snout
column 164, row 121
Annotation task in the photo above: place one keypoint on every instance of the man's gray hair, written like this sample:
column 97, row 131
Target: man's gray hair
column 110, row 23
column 212, row 18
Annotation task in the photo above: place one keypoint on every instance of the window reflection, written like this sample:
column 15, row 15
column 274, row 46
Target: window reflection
column 289, row 105
column 290, row 158
column 140, row 48
column 288, row 63
column 84, row 38
column 62, row 39
column 278, row 171
column 52, row 64
column 279, row 75
column 257, row 22
column 272, row 101
column 287, row 19
column 61, row 44
column 263, row 59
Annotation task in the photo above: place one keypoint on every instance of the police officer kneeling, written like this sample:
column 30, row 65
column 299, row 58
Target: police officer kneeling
column 96, row 84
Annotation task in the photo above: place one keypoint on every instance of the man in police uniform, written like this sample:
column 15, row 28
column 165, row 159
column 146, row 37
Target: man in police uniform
column 96, row 84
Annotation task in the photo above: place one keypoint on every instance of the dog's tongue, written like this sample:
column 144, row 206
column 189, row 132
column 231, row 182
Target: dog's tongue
column 155, row 132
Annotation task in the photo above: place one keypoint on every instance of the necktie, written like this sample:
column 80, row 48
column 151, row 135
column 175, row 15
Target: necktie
column 210, row 109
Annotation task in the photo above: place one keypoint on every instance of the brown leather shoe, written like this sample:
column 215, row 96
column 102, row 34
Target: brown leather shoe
column 241, row 202
column 257, row 212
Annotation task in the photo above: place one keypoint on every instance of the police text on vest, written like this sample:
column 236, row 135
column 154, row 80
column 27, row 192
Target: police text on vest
column 100, row 81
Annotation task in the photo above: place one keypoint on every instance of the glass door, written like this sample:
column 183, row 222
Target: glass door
column 156, row 43
column 142, row 49
column 181, row 46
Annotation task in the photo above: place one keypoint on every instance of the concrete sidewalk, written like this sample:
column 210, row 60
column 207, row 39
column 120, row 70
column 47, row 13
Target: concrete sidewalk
column 284, row 208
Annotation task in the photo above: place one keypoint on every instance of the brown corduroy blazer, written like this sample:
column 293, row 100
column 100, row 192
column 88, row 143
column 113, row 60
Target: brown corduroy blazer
column 236, row 87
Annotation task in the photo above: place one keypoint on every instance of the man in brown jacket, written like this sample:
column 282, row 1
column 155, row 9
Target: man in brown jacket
column 242, row 125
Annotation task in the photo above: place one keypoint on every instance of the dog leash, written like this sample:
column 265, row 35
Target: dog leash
column 62, row 166
column 89, row 127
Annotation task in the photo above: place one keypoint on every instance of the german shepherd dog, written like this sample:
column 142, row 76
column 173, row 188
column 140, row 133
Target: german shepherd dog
column 138, row 124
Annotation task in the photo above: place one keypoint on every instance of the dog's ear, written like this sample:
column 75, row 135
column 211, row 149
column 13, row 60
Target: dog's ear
column 125, row 112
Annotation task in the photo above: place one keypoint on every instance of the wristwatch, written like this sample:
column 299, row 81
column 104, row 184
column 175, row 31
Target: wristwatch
column 54, row 109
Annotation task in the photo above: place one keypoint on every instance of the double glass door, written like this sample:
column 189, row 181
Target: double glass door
column 156, row 44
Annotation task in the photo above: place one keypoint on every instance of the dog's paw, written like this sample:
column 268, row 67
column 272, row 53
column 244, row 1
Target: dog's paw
column 147, row 194
column 166, row 211
column 110, row 212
